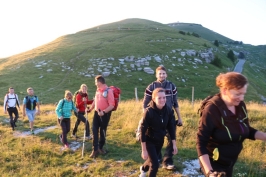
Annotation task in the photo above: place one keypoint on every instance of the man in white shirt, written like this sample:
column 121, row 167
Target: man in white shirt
column 10, row 103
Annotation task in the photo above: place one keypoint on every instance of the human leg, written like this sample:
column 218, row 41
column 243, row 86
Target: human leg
column 10, row 113
column 16, row 116
column 30, row 115
column 95, row 129
column 65, row 126
column 152, row 163
column 76, row 124
column 103, row 128
column 168, row 162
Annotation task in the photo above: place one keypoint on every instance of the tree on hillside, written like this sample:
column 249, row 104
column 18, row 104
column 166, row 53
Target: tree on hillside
column 231, row 56
column 241, row 55
column 216, row 43
column 217, row 62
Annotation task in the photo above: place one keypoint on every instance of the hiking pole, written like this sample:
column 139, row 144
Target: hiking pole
column 84, row 130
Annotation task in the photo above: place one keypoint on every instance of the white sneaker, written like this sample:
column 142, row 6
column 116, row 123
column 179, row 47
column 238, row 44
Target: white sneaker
column 142, row 172
column 89, row 137
column 169, row 166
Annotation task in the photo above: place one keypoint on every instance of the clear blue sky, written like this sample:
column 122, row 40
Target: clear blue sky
column 26, row 24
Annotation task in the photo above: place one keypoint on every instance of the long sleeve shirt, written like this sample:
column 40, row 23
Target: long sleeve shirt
column 155, row 123
column 11, row 100
column 64, row 108
column 170, row 92
column 82, row 100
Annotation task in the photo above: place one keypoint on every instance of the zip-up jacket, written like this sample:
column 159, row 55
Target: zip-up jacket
column 80, row 104
column 170, row 92
column 155, row 123
column 64, row 108
column 225, row 131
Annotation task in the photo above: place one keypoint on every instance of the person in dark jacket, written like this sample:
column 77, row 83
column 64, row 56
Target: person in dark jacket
column 82, row 101
column 224, row 125
column 171, row 101
column 158, row 118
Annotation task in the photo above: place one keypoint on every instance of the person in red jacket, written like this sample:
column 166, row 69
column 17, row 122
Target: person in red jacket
column 82, row 100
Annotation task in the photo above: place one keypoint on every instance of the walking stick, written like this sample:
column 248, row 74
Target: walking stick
column 84, row 130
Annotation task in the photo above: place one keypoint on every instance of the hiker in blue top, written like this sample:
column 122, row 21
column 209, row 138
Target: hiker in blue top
column 29, row 106
column 63, row 112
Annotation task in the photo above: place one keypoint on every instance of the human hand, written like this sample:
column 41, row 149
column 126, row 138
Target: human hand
column 144, row 155
column 5, row 112
column 178, row 122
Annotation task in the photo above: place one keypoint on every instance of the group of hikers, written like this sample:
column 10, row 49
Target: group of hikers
column 223, row 125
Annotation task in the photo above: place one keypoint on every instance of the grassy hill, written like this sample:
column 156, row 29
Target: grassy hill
column 40, row 155
column 202, row 31
column 71, row 60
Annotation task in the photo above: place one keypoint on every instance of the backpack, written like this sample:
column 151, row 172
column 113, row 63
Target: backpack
column 116, row 92
column 63, row 100
column 28, row 100
column 74, row 97
column 7, row 98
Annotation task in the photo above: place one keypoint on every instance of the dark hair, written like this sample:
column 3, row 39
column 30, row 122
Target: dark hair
column 231, row 80
column 160, row 68
column 100, row 78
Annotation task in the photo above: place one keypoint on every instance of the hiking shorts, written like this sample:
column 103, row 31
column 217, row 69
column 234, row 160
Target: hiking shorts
column 31, row 115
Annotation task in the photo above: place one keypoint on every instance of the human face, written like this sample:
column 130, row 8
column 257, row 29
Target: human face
column 160, row 100
column 11, row 91
column 84, row 89
column 234, row 97
column 30, row 92
column 161, row 75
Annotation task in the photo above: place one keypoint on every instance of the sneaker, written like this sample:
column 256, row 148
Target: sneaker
column 102, row 151
column 168, row 166
column 74, row 136
column 32, row 132
column 60, row 137
column 142, row 172
column 66, row 146
column 89, row 137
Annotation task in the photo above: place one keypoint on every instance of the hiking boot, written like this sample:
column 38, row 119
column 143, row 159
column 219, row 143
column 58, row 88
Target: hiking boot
column 102, row 151
column 15, row 124
column 168, row 166
column 142, row 172
column 88, row 137
column 32, row 132
column 94, row 154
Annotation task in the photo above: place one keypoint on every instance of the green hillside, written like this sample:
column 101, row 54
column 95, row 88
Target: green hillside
column 202, row 31
column 71, row 60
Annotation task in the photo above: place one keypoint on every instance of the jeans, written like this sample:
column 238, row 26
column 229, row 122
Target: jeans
column 65, row 126
column 80, row 117
column 99, row 124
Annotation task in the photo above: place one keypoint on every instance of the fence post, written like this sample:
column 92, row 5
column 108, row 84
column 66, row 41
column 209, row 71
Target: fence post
column 136, row 94
column 192, row 96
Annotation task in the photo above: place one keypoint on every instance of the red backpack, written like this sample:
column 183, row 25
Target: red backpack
column 116, row 92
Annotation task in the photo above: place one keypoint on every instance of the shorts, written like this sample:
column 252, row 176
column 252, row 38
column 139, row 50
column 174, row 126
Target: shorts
column 31, row 115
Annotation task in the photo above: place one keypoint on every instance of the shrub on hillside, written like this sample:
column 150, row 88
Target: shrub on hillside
column 182, row 32
column 216, row 43
column 217, row 62
column 231, row 56
column 195, row 34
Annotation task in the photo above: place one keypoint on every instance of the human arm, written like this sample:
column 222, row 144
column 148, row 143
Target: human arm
column 5, row 101
column 144, row 153
column 179, row 119
column 147, row 96
column 38, row 111
column 58, row 109
column 111, row 101
column 24, row 108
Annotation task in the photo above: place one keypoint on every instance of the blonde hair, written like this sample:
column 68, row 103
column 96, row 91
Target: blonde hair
column 156, row 91
column 30, row 88
column 68, row 94
column 231, row 80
